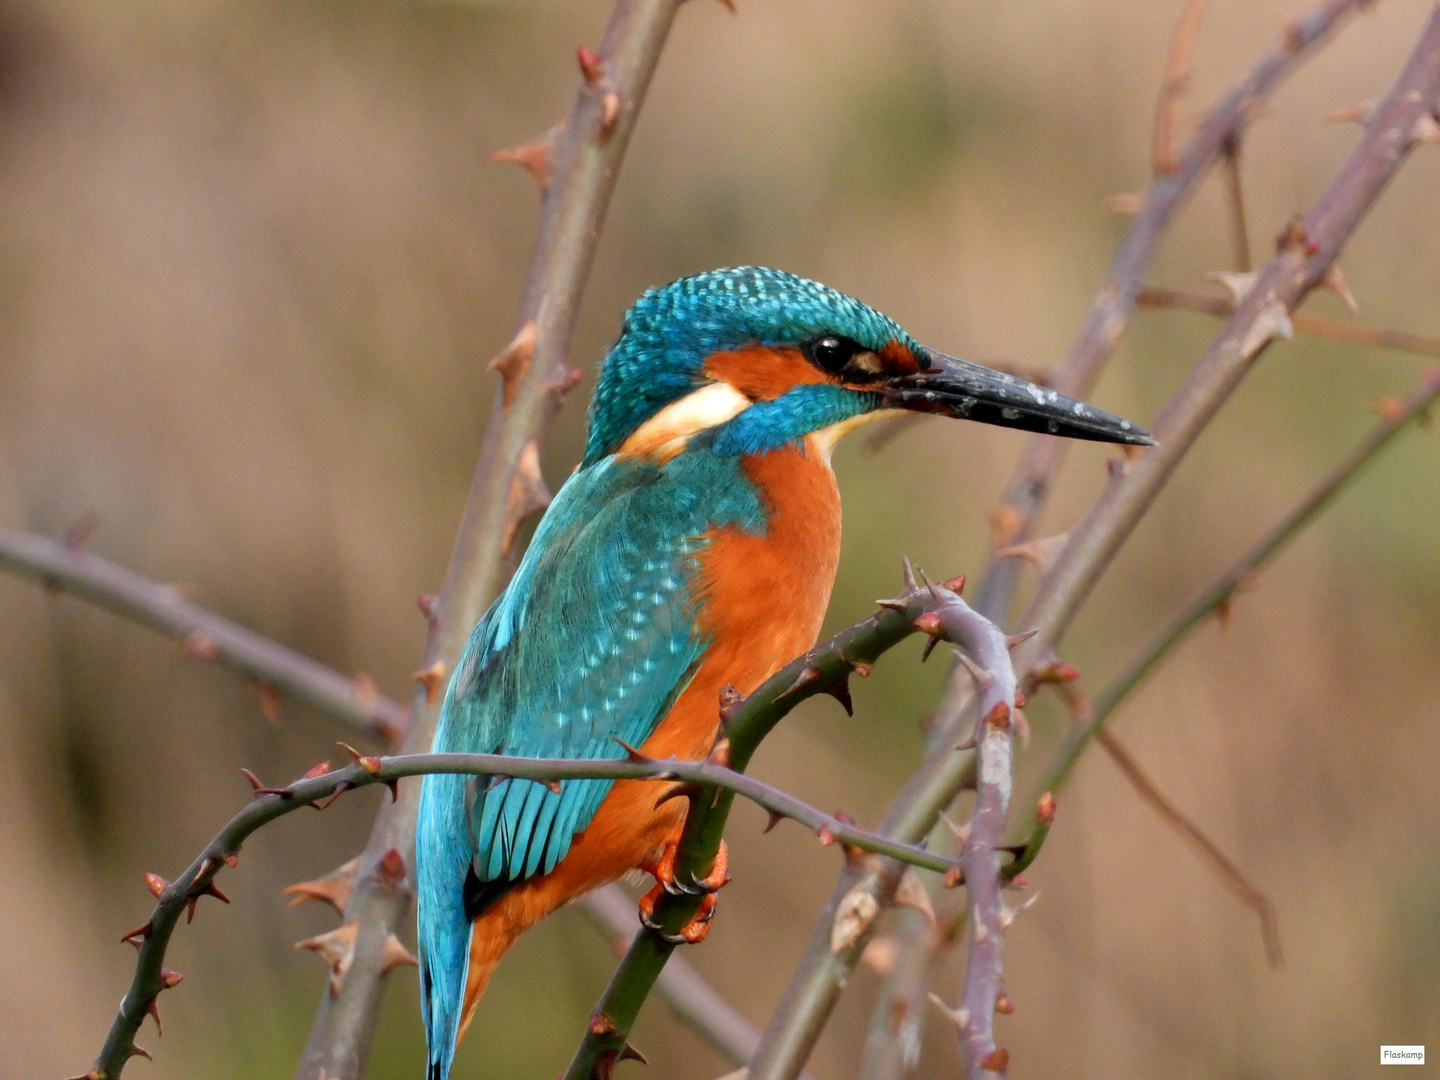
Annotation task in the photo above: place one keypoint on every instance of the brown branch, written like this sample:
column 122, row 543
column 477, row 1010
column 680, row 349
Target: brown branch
column 1351, row 333
column 1078, row 372
column 1163, row 153
column 323, row 785
column 1226, row 871
column 206, row 636
column 587, row 159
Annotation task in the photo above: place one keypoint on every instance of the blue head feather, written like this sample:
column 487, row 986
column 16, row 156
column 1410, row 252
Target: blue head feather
column 670, row 332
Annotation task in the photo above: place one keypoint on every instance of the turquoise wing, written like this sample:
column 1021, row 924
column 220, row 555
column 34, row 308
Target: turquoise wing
column 592, row 642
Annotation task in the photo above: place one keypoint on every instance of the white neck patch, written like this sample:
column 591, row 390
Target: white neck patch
column 664, row 435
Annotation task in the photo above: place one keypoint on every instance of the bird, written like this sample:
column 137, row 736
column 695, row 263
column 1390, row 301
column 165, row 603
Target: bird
column 693, row 549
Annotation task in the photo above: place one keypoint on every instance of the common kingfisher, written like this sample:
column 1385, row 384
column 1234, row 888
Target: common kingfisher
column 694, row 548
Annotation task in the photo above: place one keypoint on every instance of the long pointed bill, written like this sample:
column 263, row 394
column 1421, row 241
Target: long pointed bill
column 954, row 387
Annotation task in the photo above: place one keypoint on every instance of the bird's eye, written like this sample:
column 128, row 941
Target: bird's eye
column 832, row 352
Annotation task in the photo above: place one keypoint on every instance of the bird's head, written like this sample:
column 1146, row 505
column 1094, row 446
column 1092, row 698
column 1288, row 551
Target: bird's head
column 752, row 359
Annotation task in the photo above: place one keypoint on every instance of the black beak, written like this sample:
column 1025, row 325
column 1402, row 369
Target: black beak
column 953, row 387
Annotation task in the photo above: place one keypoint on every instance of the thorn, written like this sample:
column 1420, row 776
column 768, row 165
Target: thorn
column 601, row 1025
column 960, row 832
column 1009, row 915
column 194, row 898
column 426, row 603
column 269, row 702
column 996, row 1061
column 956, row 584
column 1020, row 699
column 631, row 754
column 232, row 860
column 775, row 817
column 1019, row 639
column 337, row 949
column 392, row 867
column 630, row 1053
column 1294, row 236
column 719, row 753
column 537, row 157
column 528, row 494
column 1022, row 726
column 840, row 691
column 983, row 678
column 80, row 531
column 333, row 888
column 826, row 835
column 1237, row 284
column 394, row 955
column 679, row 791
column 1334, row 281
column 513, row 363
column 1273, row 322
column 808, row 674
column 1124, row 202
column 954, row 878
column 431, row 678
column 1003, row 1005
column 893, row 605
column 930, row 587
column 152, row 1008
column 1041, row 552
column 1045, row 809
column 137, row 1051
column 908, row 573
column 590, row 65
column 196, row 646
column 929, row 623
column 139, row 934
column 930, row 644
column 609, row 113
column 157, row 884
column 316, row 770
column 1005, row 523
column 340, row 789
column 1426, row 130
column 959, row 1017
column 998, row 716
column 911, row 893
column 1055, row 672
column 170, row 979
column 370, row 764
column 862, row 669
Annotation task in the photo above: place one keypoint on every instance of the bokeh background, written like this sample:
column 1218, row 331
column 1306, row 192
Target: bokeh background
column 253, row 260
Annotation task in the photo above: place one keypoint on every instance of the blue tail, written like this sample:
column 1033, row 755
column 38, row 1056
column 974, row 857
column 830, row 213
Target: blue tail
column 442, row 857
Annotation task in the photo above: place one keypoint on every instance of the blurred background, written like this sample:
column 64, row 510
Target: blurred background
column 253, row 261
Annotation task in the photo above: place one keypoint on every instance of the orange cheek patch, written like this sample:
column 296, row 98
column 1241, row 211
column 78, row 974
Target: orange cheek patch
column 762, row 373
column 899, row 360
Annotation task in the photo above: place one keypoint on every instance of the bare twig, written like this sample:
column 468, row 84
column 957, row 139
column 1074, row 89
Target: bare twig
column 693, row 1001
column 1395, row 418
column 206, row 636
column 536, row 373
column 1352, row 333
column 153, row 937
column 1081, row 367
column 931, row 610
column 1164, row 158
column 1228, row 873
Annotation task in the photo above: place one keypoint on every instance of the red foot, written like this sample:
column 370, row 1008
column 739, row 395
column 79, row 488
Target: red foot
column 695, row 930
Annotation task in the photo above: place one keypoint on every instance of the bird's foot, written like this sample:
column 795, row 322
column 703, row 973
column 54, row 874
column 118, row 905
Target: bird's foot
column 695, row 930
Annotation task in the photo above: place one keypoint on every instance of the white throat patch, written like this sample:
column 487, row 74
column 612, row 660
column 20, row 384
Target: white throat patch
column 664, row 435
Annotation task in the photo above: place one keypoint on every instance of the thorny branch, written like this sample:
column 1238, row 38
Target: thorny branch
column 1172, row 87
column 825, row 669
column 206, row 636
column 1351, row 333
column 821, row 976
column 578, row 170
column 1396, row 416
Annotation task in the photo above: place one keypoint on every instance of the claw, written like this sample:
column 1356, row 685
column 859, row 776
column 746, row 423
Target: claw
column 695, row 930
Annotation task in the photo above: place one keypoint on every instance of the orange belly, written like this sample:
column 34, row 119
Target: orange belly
column 761, row 602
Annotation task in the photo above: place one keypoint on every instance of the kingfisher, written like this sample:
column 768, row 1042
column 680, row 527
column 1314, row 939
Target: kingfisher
column 693, row 549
